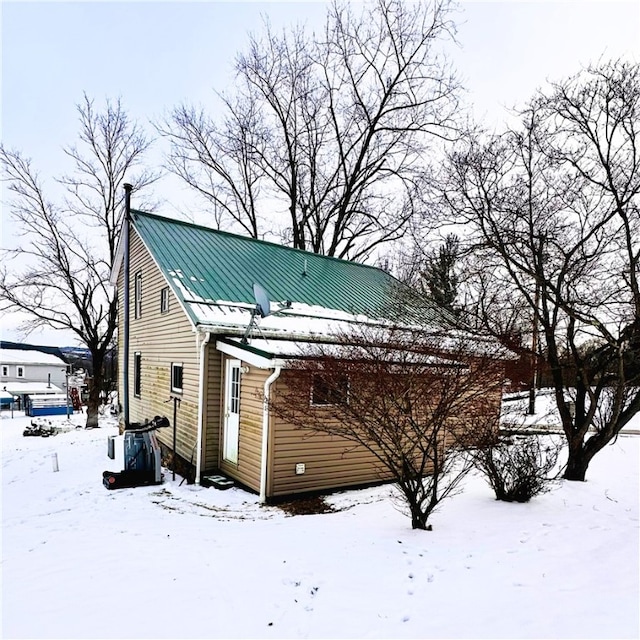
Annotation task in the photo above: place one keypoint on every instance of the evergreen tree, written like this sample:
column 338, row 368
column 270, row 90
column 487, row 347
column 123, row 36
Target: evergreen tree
column 440, row 275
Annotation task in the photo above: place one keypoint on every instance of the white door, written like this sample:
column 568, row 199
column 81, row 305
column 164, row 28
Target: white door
column 231, row 411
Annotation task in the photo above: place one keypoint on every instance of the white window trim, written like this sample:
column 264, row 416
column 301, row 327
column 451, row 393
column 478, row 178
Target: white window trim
column 164, row 300
column 175, row 365
column 137, row 295
column 20, row 368
column 137, row 375
column 5, row 371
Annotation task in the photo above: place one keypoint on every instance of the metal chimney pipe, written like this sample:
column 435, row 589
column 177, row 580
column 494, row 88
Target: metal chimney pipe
column 125, row 311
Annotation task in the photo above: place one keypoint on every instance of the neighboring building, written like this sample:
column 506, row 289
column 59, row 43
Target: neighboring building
column 191, row 300
column 26, row 370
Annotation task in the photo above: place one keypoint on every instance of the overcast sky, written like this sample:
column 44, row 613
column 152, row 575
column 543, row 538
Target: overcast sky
column 155, row 55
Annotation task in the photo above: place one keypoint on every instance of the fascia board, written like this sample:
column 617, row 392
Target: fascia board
column 118, row 258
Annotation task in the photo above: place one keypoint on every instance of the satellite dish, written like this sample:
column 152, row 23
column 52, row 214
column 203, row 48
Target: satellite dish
column 263, row 306
column 262, row 309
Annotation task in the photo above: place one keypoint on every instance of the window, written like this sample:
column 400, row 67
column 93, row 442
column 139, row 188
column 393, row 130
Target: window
column 137, row 373
column 137, row 304
column 5, row 370
column 20, row 371
column 164, row 300
column 234, row 391
column 325, row 392
column 176, row 377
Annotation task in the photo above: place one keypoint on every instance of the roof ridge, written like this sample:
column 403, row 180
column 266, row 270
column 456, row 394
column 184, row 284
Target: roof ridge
column 254, row 240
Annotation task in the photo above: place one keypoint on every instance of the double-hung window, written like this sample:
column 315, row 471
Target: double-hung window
column 164, row 300
column 137, row 295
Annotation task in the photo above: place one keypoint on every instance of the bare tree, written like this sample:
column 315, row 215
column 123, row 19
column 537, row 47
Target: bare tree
column 414, row 401
column 333, row 130
column 554, row 207
column 60, row 270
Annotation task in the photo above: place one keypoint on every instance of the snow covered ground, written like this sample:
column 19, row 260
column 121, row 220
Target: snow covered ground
column 174, row 561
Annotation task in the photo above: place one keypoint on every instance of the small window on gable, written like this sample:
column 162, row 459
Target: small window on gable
column 5, row 370
column 20, row 371
column 164, row 300
column 329, row 392
column 176, row 377
column 137, row 300
column 137, row 373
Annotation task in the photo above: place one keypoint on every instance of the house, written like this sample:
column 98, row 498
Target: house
column 194, row 334
column 30, row 369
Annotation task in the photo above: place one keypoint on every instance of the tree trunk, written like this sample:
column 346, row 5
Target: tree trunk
column 577, row 463
column 419, row 515
column 419, row 520
column 576, row 468
column 95, row 386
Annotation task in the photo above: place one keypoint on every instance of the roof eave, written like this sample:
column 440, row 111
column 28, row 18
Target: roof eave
column 251, row 356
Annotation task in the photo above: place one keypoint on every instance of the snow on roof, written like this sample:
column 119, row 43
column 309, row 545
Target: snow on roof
column 298, row 320
column 23, row 356
column 301, row 349
column 21, row 388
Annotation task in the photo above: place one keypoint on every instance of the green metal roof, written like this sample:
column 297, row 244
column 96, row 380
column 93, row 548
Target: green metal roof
column 219, row 266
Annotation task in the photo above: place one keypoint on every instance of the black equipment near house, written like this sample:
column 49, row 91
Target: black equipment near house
column 141, row 456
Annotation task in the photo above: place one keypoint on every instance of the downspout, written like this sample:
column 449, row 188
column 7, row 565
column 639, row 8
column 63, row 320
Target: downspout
column 203, row 344
column 125, row 364
column 265, row 432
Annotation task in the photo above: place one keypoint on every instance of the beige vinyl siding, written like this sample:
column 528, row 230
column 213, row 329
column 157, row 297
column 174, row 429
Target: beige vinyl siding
column 160, row 338
column 247, row 471
column 213, row 400
column 330, row 461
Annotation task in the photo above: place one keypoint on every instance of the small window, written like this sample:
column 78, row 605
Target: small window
column 176, row 377
column 235, row 390
column 325, row 392
column 20, row 371
column 5, row 370
column 137, row 373
column 137, row 304
column 164, row 300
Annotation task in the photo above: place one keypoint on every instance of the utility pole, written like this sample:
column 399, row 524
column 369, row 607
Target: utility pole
column 534, row 355
column 539, row 272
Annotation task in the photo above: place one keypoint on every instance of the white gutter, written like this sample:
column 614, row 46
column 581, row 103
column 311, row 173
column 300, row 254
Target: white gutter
column 203, row 344
column 265, row 432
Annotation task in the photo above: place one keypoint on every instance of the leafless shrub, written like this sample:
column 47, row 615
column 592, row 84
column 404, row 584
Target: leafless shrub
column 519, row 467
